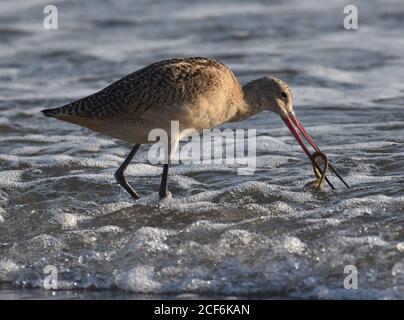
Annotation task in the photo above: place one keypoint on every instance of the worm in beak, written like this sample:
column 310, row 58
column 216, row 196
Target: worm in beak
column 297, row 129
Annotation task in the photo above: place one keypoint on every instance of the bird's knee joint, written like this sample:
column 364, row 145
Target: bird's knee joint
column 118, row 175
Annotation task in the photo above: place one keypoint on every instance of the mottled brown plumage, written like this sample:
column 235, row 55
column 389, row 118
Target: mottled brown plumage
column 199, row 93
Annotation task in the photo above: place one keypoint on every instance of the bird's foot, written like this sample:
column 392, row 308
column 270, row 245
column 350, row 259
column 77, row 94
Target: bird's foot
column 165, row 195
column 316, row 183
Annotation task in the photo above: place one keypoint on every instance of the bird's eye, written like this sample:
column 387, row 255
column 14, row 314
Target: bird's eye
column 284, row 94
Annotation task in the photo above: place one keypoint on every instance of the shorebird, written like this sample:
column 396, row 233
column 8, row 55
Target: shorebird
column 198, row 92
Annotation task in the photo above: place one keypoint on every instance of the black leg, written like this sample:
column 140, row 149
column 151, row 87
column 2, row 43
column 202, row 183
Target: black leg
column 119, row 174
column 163, row 186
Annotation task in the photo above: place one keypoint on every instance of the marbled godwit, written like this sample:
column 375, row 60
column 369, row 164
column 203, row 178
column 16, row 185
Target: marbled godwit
column 198, row 92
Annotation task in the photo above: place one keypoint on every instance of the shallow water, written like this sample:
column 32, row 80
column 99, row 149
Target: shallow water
column 222, row 234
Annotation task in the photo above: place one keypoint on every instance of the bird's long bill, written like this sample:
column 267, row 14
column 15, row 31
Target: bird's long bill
column 295, row 126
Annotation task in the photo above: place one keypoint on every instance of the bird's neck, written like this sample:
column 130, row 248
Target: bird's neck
column 250, row 105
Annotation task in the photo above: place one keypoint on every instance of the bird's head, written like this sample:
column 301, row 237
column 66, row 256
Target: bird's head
column 272, row 94
column 269, row 93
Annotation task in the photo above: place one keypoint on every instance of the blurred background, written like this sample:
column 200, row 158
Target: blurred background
column 260, row 236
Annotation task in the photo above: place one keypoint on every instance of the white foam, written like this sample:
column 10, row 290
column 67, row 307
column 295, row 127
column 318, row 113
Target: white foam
column 138, row 279
column 293, row 245
column 65, row 221
column 400, row 246
column 8, row 269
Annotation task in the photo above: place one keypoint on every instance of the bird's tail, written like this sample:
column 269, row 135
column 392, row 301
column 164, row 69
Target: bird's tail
column 66, row 111
column 53, row 112
column 71, row 113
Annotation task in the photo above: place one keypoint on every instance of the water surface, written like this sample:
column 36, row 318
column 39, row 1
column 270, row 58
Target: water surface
column 222, row 234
